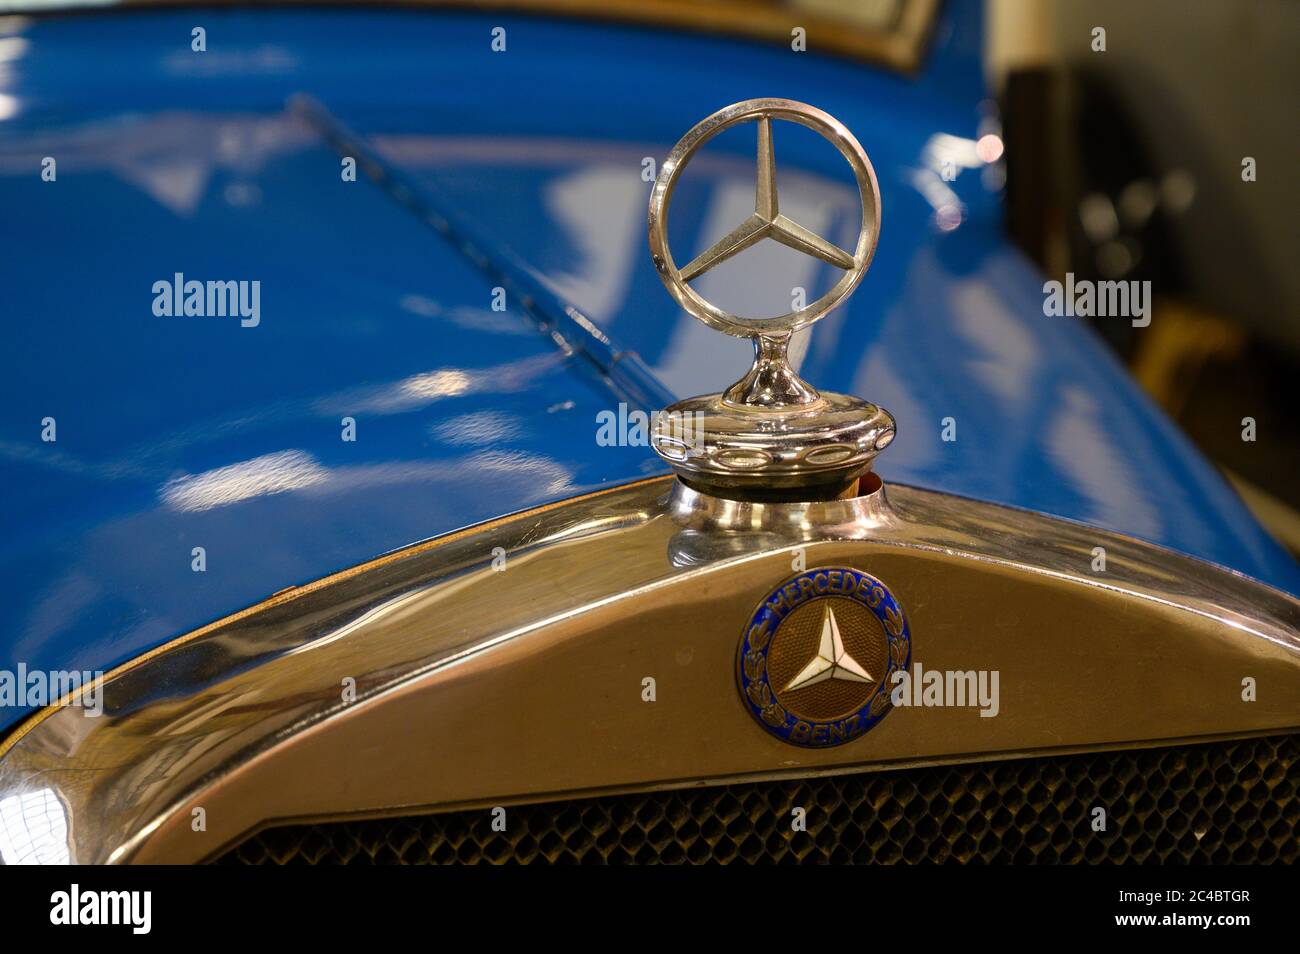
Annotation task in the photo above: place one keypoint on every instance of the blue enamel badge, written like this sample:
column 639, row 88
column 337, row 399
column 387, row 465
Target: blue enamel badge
column 818, row 655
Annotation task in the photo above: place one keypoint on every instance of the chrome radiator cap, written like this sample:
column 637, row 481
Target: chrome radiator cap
column 771, row 434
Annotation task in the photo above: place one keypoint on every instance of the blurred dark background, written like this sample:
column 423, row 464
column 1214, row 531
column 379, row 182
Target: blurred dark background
column 1127, row 164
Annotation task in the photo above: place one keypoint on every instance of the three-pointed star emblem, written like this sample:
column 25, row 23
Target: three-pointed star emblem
column 832, row 660
column 767, row 222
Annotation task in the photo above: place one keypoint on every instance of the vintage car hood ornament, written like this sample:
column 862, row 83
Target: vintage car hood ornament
column 771, row 435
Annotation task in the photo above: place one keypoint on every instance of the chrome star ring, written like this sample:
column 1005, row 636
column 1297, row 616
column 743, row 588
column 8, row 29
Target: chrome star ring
column 767, row 220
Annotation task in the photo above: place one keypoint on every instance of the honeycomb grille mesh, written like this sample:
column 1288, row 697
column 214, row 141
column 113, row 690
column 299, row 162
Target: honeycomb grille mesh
column 1230, row 802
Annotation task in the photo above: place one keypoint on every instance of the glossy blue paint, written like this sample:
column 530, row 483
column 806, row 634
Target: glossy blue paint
column 183, row 432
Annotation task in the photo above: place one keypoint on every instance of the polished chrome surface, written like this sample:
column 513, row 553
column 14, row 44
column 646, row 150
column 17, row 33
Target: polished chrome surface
column 738, row 450
column 771, row 429
column 848, row 518
column 767, row 221
column 479, row 686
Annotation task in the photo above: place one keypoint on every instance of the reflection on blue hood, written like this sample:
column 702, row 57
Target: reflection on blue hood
column 185, row 441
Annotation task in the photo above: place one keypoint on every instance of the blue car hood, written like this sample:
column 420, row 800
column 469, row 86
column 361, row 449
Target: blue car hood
column 200, row 464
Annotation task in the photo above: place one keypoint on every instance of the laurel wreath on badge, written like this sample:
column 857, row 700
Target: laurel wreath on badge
column 759, row 632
